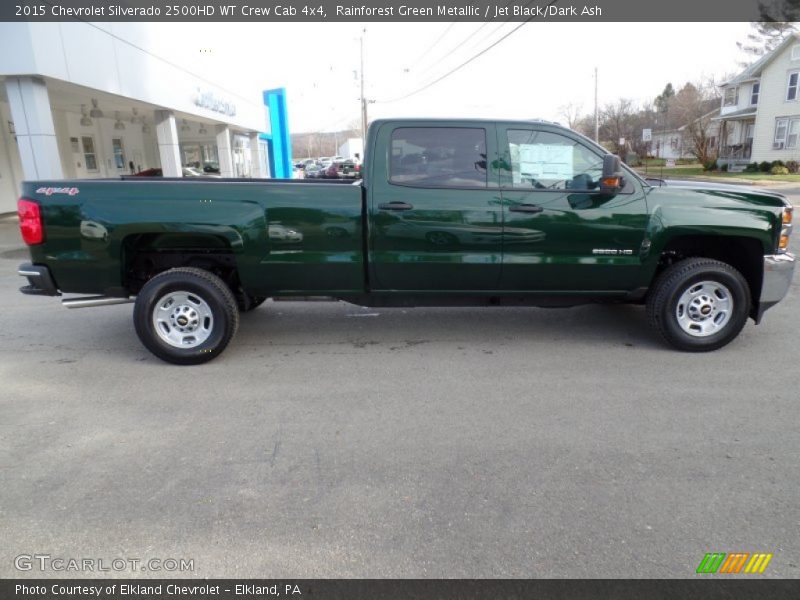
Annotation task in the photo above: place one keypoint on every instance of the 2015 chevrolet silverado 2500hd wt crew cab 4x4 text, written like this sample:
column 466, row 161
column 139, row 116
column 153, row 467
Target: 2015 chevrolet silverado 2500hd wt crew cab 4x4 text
column 449, row 212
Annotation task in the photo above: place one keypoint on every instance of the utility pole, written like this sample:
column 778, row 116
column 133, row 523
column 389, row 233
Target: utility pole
column 363, row 99
column 596, row 119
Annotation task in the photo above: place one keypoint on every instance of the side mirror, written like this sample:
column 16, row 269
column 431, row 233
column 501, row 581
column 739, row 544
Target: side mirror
column 612, row 180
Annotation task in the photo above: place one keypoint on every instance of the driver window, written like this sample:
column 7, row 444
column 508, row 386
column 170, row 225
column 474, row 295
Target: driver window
column 438, row 157
column 549, row 161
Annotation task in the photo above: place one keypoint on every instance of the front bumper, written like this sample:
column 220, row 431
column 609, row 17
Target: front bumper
column 778, row 274
column 40, row 281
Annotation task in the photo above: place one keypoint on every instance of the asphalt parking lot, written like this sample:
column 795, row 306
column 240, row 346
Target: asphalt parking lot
column 335, row 441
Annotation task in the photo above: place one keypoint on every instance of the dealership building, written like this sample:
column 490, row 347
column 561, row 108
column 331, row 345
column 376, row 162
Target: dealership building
column 90, row 100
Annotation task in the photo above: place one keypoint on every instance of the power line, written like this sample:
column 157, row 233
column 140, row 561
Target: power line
column 470, row 36
column 161, row 58
column 452, row 50
column 493, row 31
column 433, row 45
column 465, row 63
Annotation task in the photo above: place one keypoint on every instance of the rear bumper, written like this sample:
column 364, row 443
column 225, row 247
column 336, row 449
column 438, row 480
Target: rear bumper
column 778, row 274
column 40, row 281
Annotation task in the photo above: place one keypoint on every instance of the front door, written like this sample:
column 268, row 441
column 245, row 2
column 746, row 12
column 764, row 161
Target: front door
column 561, row 233
column 435, row 213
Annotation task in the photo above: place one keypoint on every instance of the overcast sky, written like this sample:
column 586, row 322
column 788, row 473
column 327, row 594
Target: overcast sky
column 532, row 73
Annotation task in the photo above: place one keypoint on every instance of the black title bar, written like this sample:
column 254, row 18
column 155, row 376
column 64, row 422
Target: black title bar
column 272, row 11
column 707, row 588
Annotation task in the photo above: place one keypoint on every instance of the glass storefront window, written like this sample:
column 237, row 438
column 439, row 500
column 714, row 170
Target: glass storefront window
column 241, row 156
column 200, row 156
column 119, row 153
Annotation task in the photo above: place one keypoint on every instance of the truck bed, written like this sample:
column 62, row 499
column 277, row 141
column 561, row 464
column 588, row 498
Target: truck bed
column 287, row 235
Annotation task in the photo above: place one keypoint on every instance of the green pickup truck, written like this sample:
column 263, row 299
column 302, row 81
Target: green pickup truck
column 448, row 213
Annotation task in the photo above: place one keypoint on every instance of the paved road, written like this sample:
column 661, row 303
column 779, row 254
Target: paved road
column 332, row 440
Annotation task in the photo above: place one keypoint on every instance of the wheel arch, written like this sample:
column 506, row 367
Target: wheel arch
column 744, row 253
column 145, row 255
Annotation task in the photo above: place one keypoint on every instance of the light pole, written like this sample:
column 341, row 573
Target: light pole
column 596, row 119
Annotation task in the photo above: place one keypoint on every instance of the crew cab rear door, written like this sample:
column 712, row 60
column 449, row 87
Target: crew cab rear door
column 435, row 212
column 561, row 232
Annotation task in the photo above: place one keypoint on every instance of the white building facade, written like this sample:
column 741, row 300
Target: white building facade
column 87, row 100
column 760, row 113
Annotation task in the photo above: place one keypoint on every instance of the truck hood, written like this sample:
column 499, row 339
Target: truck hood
column 714, row 193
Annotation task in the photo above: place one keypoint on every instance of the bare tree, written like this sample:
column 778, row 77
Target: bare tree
column 585, row 126
column 616, row 122
column 694, row 106
column 572, row 113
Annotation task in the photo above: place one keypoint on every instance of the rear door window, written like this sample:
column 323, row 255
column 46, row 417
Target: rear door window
column 438, row 157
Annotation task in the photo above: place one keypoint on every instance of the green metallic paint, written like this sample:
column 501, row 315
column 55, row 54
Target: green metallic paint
column 677, row 212
column 450, row 241
column 555, row 250
column 281, row 235
column 290, row 238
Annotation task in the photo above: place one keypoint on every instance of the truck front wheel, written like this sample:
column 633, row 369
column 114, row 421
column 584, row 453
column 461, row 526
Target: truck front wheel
column 699, row 304
column 185, row 316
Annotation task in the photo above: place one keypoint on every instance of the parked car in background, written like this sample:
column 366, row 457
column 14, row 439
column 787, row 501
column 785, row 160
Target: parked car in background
column 312, row 171
column 345, row 169
column 155, row 172
column 349, row 169
column 301, row 163
column 195, row 172
column 187, row 172
column 329, row 171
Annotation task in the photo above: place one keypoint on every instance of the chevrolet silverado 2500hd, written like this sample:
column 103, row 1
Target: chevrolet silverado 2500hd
column 449, row 212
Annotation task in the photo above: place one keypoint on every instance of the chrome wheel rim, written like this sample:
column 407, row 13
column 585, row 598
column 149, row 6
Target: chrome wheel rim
column 704, row 308
column 182, row 319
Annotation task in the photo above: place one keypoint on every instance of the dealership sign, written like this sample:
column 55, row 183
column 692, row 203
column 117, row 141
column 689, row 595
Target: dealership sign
column 207, row 99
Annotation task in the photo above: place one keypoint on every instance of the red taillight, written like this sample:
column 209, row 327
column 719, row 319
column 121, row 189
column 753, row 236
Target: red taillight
column 30, row 222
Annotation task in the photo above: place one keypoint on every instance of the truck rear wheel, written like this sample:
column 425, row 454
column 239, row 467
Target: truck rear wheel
column 699, row 304
column 185, row 316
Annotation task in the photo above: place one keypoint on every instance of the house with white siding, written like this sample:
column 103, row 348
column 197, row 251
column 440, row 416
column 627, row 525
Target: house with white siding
column 760, row 112
column 676, row 143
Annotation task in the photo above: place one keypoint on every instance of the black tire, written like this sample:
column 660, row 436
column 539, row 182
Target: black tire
column 680, row 278
column 201, row 285
column 247, row 303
